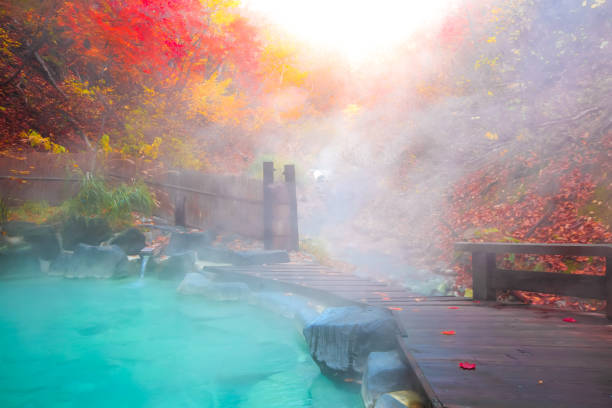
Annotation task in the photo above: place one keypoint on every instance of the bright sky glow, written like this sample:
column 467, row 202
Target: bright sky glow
column 355, row 28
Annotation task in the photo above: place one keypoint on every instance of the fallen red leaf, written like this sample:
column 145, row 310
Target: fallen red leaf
column 394, row 308
column 453, row 307
column 569, row 320
column 448, row 332
column 467, row 366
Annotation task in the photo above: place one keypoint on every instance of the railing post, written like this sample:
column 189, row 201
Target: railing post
column 179, row 211
column 483, row 265
column 609, row 287
column 268, row 202
column 293, row 241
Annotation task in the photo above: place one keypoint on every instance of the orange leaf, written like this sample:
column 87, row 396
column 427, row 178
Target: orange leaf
column 394, row 308
column 448, row 332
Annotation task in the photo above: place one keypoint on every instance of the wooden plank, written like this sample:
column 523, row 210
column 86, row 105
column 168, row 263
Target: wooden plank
column 516, row 386
column 542, row 249
column 586, row 286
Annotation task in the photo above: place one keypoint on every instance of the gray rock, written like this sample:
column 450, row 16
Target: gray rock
column 176, row 266
column 341, row 338
column 18, row 261
column 260, row 257
column 385, row 372
column 81, row 230
column 198, row 284
column 127, row 268
column 61, row 265
column 131, row 241
column 400, row 399
column 94, row 261
column 42, row 238
column 256, row 257
column 215, row 254
column 189, row 241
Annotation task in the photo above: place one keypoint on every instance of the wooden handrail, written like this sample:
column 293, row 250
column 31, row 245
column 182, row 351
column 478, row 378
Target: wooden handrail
column 542, row 249
column 487, row 278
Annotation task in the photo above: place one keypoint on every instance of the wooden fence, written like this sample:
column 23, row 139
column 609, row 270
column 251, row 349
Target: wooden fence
column 487, row 278
column 230, row 204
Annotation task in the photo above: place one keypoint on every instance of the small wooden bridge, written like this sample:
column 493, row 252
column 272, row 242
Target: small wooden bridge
column 525, row 356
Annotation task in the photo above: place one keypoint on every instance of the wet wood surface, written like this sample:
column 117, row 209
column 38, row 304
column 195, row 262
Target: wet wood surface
column 525, row 356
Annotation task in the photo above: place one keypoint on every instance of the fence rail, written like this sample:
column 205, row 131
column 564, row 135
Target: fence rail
column 487, row 278
column 226, row 203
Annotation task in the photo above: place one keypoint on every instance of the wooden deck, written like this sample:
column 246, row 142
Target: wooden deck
column 524, row 356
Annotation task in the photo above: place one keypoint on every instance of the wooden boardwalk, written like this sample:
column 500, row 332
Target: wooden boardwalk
column 524, row 356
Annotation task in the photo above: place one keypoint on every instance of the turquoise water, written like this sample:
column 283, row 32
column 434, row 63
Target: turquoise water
column 88, row 343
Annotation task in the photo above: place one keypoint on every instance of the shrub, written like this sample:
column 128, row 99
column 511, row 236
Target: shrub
column 96, row 198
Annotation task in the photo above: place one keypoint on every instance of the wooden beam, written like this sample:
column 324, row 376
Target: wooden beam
column 542, row 249
column 586, row 286
column 608, row 287
column 268, row 205
column 293, row 241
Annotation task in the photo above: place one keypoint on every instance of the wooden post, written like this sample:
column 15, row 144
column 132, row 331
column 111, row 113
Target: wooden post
column 609, row 287
column 268, row 203
column 293, row 240
column 179, row 211
column 483, row 265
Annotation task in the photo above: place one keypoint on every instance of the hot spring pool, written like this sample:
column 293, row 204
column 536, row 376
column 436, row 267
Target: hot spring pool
column 91, row 343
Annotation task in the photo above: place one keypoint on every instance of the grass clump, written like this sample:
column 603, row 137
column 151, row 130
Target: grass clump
column 96, row 198
column 37, row 212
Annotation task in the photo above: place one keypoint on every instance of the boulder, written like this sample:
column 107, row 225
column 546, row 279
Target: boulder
column 400, row 399
column 131, row 241
column 260, row 257
column 94, row 261
column 341, row 338
column 61, row 265
column 189, row 241
column 81, row 230
column 198, row 284
column 42, row 238
column 256, row 257
column 385, row 372
column 175, row 267
column 18, row 261
column 216, row 254
column 127, row 268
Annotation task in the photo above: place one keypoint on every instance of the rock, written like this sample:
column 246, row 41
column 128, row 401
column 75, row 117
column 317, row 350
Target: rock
column 42, row 238
column 176, row 266
column 341, row 338
column 257, row 257
column 400, row 399
column 127, row 268
column 61, row 265
column 215, row 254
column 385, row 372
column 18, row 261
column 94, row 261
column 198, row 284
column 131, row 241
column 189, row 241
column 260, row 257
column 80, row 230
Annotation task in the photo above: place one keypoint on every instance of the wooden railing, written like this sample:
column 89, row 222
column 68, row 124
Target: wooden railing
column 487, row 278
